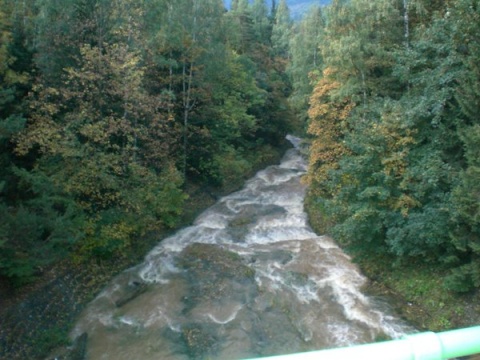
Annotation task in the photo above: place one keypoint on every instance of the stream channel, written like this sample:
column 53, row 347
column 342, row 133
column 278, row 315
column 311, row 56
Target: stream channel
column 249, row 278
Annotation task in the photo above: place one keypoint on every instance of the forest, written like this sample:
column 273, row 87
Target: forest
column 111, row 110
column 392, row 103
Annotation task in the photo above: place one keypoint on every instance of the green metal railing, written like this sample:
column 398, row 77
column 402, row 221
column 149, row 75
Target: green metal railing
column 420, row 346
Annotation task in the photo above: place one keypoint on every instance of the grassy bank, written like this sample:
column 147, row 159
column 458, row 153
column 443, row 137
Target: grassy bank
column 416, row 291
column 37, row 318
column 413, row 287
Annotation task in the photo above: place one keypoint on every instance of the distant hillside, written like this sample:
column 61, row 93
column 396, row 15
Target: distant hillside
column 297, row 7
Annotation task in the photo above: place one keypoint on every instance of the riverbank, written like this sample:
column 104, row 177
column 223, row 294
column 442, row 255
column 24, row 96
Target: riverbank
column 416, row 292
column 37, row 318
column 414, row 289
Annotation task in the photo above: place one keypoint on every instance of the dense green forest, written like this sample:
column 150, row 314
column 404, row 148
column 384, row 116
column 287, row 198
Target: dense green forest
column 390, row 93
column 109, row 109
column 112, row 111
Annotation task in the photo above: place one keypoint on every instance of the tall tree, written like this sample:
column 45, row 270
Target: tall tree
column 393, row 178
column 305, row 59
column 464, row 17
column 125, row 93
column 100, row 127
column 19, row 225
column 261, row 22
column 281, row 29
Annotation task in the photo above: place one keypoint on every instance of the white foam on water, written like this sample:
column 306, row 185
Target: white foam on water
column 306, row 293
column 290, row 220
column 174, row 243
column 160, row 316
column 212, row 220
column 295, row 140
column 326, row 243
column 272, row 178
column 223, row 319
column 286, row 199
column 311, row 274
column 277, row 234
column 269, row 277
column 193, row 234
column 236, row 206
column 129, row 321
column 157, row 269
column 345, row 284
column 342, row 334
column 276, row 278
column 254, row 185
column 292, row 160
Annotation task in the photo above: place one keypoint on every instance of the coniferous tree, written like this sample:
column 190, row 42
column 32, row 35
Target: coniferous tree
column 124, row 94
column 281, row 30
column 21, row 224
column 405, row 152
column 305, row 59
column 261, row 22
column 464, row 17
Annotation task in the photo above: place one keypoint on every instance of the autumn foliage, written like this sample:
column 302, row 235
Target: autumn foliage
column 328, row 127
column 393, row 132
column 108, row 110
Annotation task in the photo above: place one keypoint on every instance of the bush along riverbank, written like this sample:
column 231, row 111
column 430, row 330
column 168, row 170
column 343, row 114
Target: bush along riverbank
column 413, row 287
column 37, row 318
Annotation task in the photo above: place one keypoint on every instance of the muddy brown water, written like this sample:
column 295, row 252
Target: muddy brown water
column 249, row 278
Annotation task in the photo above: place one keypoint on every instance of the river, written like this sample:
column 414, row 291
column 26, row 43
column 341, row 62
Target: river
column 249, row 278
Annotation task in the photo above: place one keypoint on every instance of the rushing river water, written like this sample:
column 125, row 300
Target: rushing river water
column 249, row 278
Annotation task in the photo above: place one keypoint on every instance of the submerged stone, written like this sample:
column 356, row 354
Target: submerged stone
column 213, row 260
column 215, row 274
column 131, row 292
column 199, row 340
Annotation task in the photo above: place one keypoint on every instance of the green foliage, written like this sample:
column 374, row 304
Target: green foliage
column 22, row 225
column 417, row 295
column 306, row 58
column 466, row 211
column 400, row 174
column 227, row 166
column 281, row 29
column 125, row 95
column 38, row 232
column 104, row 143
column 460, row 280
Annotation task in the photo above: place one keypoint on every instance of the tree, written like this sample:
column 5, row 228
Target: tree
column 398, row 173
column 281, row 29
column 191, row 27
column 261, row 22
column 20, row 225
column 464, row 16
column 124, row 94
column 243, row 29
column 306, row 59
column 328, row 127
column 105, row 142
column 10, row 78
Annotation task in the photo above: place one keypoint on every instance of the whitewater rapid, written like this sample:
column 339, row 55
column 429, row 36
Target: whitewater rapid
column 249, row 278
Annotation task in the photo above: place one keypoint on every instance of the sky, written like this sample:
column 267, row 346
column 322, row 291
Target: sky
column 297, row 7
